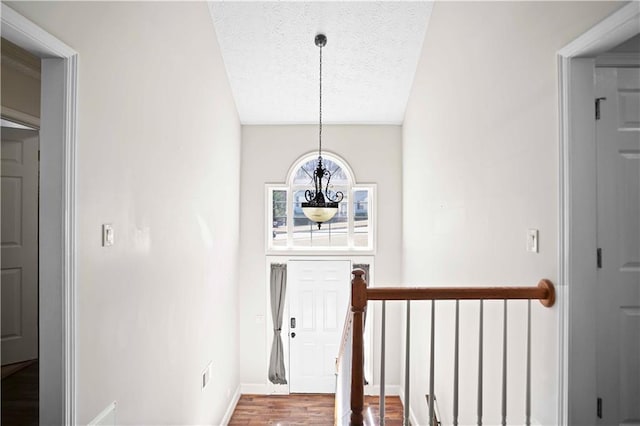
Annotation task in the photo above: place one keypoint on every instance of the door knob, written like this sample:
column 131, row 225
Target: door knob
column 293, row 335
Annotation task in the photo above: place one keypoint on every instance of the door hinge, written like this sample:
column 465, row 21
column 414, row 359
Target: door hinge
column 599, row 257
column 599, row 408
column 598, row 100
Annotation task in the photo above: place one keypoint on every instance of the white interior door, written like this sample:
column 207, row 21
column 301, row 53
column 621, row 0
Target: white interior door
column 19, row 156
column 618, row 192
column 320, row 292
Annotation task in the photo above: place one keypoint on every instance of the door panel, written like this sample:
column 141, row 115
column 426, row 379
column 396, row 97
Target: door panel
column 618, row 235
column 11, row 211
column 319, row 298
column 11, row 295
column 330, row 310
column 19, row 242
column 629, row 365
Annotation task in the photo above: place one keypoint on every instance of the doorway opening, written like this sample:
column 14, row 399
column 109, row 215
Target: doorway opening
column 578, row 291
column 56, row 216
column 19, row 260
column 337, row 270
column 20, row 373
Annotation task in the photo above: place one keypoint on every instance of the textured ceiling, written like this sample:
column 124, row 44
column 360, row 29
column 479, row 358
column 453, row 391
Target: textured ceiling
column 368, row 63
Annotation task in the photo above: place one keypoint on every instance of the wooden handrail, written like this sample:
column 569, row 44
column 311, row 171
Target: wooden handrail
column 543, row 292
column 360, row 295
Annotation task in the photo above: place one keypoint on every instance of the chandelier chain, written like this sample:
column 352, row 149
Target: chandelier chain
column 320, row 131
column 321, row 202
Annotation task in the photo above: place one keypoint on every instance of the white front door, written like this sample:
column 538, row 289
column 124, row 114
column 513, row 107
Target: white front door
column 618, row 235
column 19, row 245
column 319, row 297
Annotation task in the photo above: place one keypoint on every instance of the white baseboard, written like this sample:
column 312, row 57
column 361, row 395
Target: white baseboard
column 232, row 406
column 263, row 389
column 254, row 389
column 273, row 389
column 374, row 390
column 412, row 416
column 107, row 417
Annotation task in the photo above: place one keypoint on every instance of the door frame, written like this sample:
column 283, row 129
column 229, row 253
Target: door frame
column 271, row 388
column 57, row 215
column 577, row 207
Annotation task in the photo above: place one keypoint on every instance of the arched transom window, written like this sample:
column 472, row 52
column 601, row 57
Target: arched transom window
column 351, row 229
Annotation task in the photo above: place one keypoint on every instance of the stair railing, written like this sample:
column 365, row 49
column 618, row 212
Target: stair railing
column 361, row 294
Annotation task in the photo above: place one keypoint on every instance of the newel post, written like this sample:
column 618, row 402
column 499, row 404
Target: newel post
column 358, row 306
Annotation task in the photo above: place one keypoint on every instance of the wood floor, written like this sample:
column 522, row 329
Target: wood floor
column 20, row 397
column 306, row 409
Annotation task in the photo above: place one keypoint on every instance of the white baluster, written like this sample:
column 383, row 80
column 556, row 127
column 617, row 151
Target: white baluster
column 528, row 392
column 504, row 365
column 480, row 343
column 432, row 363
column 455, row 365
column 382, row 359
column 407, row 397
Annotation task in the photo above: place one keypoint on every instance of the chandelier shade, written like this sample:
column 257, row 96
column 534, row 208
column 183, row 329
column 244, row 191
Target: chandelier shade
column 321, row 204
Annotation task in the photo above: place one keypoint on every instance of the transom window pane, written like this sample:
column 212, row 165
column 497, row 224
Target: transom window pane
column 361, row 227
column 304, row 175
column 351, row 229
column 279, row 218
column 333, row 233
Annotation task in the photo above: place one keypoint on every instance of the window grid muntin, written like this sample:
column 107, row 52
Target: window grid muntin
column 292, row 225
column 349, row 190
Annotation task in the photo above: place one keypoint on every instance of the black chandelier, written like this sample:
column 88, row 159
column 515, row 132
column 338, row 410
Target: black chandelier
column 321, row 205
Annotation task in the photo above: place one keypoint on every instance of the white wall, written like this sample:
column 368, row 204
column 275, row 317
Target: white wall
column 374, row 154
column 480, row 166
column 158, row 157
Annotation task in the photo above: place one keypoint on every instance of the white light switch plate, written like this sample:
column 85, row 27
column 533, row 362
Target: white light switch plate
column 107, row 235
column 532, row 240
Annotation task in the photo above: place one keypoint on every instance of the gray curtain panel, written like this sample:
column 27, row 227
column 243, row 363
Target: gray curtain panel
column 277, row 372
